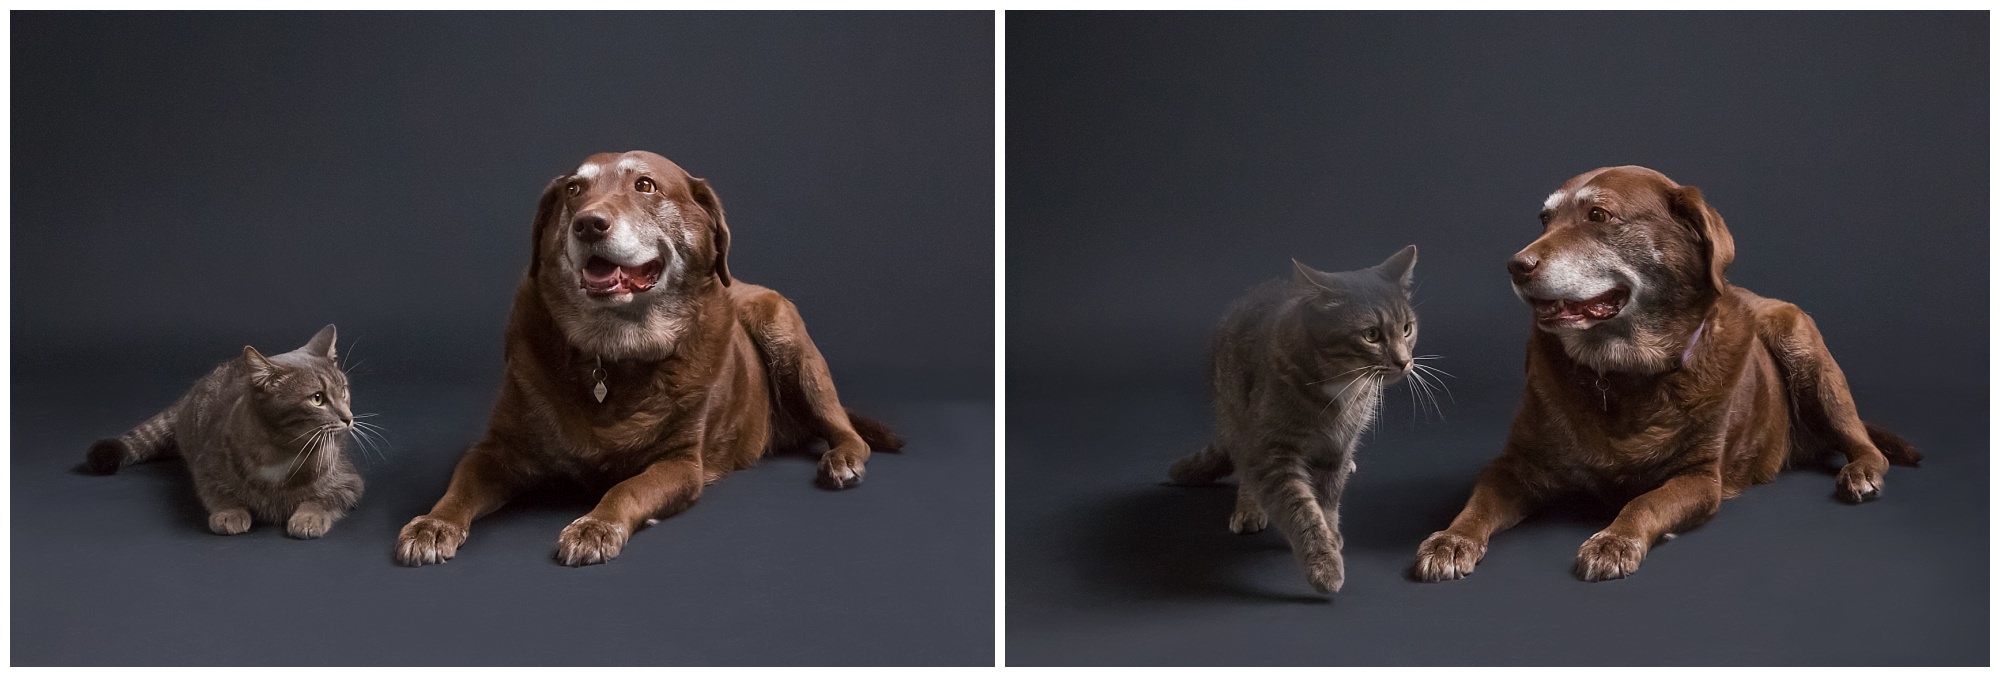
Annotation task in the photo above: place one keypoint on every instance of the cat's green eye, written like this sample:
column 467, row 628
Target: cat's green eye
column 1373, row 335
column 1407, row 328
column 319, row 399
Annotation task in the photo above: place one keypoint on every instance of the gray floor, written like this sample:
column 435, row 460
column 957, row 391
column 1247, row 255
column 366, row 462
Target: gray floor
column 765, row 570
column 1105, row 565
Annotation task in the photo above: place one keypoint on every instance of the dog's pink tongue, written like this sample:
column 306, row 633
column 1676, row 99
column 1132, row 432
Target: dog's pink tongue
column 1603, row 306
column 600, row 275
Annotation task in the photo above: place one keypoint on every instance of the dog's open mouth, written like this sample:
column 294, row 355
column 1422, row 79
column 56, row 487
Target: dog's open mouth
column 1594, row 309
column 601, row 277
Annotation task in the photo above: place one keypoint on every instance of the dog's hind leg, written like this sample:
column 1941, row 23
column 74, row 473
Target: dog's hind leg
column 663, row 490
column 802, row 386
column 1824, row 406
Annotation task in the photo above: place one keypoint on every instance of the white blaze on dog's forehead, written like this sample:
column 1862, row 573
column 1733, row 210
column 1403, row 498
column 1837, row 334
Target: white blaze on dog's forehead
column 1555, row 199
column 587, row 170
column 1586, row 193
column 631, row 164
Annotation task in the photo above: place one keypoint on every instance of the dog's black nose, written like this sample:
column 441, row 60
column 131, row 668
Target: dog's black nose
column 1523, row 267
column 590, row 227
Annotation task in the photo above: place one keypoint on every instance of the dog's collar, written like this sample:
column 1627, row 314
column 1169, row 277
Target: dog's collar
column 1688, row 355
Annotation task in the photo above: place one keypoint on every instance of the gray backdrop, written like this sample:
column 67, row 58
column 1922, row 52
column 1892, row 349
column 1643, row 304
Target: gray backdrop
column 188, row 183
column 1159, row 165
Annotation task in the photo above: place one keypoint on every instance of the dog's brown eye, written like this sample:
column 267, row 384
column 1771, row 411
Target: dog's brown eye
column 643, row 185
column 1545, row 218
column 1597, row 214
column 573, row 189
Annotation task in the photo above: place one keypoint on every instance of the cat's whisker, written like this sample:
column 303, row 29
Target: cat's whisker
column 1344, row 373
column 1440, row 382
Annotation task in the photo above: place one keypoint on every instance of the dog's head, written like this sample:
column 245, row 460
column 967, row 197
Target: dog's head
column 1624, row 251
column 620, row 245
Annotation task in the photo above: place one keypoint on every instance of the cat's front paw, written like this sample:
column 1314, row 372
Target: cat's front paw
column 1248, row 520
column 589, row 540
column 428, row 540
column 842, row 467
column 1860, row 481
column 1606, row 556
column 310, row 523
column 1447, row 556
column 1326, row 574
column 229, row 522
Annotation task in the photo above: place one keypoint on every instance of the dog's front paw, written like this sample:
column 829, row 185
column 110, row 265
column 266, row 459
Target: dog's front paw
column 310, row 523
column 1606, row 556
column 428, row 540
column 589, row 540
column 1248, row 520
column 841, row 468
column 1447, row 556
column 229, row 522
column 1859, row 481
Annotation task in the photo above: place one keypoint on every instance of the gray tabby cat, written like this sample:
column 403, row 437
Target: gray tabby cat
column 1297, row 371
column 263, row 437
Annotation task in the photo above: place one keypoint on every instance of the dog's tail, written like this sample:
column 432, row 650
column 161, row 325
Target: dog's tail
column 152, row 439
column 878, row 436
column 1899, row 450
column 1201, row 467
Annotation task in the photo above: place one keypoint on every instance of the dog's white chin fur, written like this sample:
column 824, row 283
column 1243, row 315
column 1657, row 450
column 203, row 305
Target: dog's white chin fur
column 645, row 325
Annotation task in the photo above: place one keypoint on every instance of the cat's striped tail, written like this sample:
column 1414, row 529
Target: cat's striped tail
column 1201, row 467
column 152, row 439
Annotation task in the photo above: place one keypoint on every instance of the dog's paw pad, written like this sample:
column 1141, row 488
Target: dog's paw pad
column 229, row 522
column 428, row 540
column 589, row 540
column 1446, row 556
column 1248, row 521
column 837, row 471
column 1606, row 556
column 1858, row 482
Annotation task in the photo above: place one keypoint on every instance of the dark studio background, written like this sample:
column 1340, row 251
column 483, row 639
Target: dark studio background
column 188, row 183
column 1161, row 164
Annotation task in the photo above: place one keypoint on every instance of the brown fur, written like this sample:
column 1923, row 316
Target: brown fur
column 1613, row 411
column 704, row 376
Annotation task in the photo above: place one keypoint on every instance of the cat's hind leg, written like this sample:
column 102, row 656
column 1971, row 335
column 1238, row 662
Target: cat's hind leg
column 1201, row 467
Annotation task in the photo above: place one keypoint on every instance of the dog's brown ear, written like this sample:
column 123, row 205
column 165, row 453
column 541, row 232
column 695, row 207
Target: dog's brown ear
column 1690, row 209
column 718, row 229
column 545, row 213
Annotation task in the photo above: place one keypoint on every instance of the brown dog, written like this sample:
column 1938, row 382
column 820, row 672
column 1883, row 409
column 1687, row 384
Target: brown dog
column 1654, row 383
column 634, row 362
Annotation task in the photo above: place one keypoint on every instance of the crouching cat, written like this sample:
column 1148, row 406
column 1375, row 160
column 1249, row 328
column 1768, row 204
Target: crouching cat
column 264, row 438
column 1297, row 371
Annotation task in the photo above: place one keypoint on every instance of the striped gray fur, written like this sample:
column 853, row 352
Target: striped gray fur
column 265, row 440
column 1297, row 371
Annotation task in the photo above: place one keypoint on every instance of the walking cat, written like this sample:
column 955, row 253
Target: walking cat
column 1297, row 371
column 264, row 438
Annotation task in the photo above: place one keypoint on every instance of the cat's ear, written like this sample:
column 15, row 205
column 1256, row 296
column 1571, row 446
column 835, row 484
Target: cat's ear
column 1305, row 274
column 322, row 343
column 262, row 373
column 1401, row 267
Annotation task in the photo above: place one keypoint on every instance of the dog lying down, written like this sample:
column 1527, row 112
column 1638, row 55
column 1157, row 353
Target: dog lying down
column 1653, row 382
column 634, row 362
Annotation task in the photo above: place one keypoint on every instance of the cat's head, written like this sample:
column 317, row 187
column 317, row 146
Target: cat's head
column 1360, row 322
column 301, row 390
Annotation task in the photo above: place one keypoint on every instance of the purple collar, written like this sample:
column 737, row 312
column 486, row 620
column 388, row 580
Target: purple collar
column 1688, row 355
